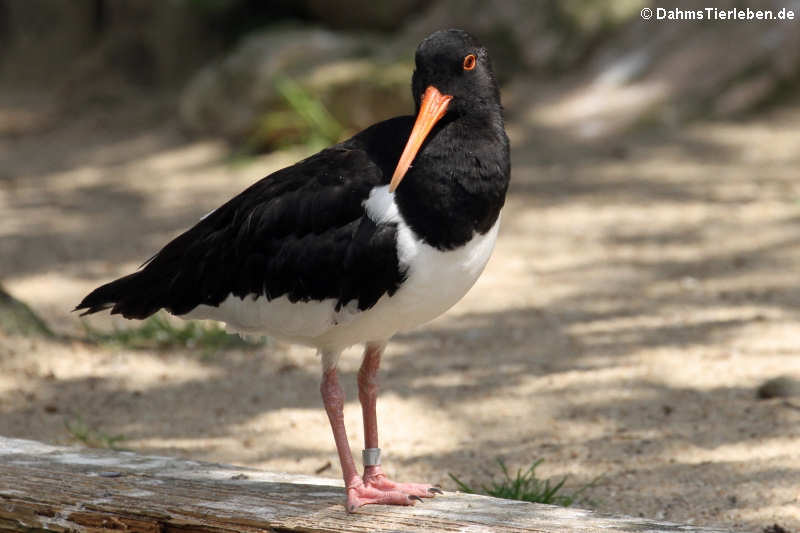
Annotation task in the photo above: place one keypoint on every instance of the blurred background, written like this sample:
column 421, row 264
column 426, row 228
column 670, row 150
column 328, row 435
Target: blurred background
column 637, row 326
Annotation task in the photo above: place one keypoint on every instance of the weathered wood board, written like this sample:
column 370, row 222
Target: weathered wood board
column 48, row 488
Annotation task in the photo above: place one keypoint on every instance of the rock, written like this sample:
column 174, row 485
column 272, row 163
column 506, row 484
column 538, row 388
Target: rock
column 779, row 387
column 554, row 37
column 345, row 74
column 16, row 318
column 83, row 40
column 665, row 73
column 39, row 38
column 363, row 14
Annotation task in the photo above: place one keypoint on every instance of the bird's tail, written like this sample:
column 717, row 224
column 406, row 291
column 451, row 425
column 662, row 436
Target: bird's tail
column 133, row 296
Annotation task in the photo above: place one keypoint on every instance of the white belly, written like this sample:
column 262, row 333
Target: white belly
column 435, row 281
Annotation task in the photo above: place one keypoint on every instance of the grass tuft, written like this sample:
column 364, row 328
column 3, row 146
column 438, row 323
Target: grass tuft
column 525, row 486
column 159, row 333
column 324, row 128
column 304, row 121
column 92, row 437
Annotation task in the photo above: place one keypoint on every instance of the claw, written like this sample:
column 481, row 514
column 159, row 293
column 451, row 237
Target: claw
column 413, row 497
column 435, row 490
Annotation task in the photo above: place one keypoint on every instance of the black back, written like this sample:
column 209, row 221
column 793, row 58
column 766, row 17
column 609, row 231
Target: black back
column 301, row 232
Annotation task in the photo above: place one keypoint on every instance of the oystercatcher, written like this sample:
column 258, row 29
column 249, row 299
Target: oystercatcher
column 352, row 244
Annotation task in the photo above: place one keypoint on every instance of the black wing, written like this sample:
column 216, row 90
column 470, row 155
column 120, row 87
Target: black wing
column 301, row 232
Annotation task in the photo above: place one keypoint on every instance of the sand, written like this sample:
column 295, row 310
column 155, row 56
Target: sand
column 643, row 286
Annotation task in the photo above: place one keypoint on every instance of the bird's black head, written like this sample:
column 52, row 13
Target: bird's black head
column 456, row 64
column 453, row 78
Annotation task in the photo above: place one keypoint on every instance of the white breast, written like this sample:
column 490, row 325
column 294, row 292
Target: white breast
column 435, row 281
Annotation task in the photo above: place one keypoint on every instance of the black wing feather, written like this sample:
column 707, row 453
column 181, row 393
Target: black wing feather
column 301, row 232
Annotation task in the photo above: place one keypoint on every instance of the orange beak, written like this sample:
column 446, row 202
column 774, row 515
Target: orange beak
column 433, row 107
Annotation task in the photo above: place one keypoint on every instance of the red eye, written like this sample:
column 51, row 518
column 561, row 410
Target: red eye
column 469, row 62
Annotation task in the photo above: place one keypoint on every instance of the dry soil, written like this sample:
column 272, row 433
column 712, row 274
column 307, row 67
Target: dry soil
column 643, row 286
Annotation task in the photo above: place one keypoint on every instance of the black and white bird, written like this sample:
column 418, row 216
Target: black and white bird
column 375, row 235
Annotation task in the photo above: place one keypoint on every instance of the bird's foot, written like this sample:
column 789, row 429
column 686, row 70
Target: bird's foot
column 374, row 477
column 374, row 487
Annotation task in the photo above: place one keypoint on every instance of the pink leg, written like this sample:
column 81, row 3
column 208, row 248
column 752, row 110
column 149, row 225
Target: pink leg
column 333, row 398
column 367, row 395
column 368, row 392
column 358, row 493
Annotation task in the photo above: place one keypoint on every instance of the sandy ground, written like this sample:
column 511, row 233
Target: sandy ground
column 643, row 286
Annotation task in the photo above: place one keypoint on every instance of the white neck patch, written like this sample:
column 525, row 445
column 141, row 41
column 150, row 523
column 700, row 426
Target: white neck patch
column 381, row 207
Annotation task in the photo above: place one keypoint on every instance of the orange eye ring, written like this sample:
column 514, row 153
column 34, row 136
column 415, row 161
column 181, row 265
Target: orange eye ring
column 470, row 61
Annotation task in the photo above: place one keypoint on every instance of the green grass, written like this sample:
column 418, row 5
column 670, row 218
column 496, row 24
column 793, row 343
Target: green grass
column 92, row 437
column 324, row 128
column 305, row 121
column 159, row 333
column 525, row 486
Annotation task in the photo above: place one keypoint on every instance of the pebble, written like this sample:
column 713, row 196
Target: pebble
column 779, row 387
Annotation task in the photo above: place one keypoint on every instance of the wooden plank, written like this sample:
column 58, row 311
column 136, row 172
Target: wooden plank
column 48, row 488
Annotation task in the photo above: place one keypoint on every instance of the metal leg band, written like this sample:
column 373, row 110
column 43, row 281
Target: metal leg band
column 371, row 456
